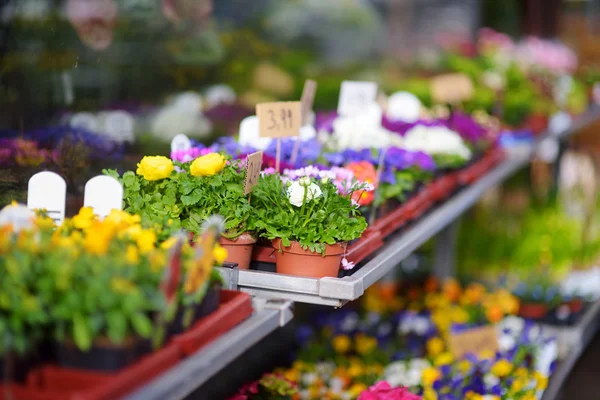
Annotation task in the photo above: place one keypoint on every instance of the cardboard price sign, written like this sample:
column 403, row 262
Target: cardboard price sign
column 356, row 96
column 474, row 341
column 253, row 167
column 307, row 99
column 451, row 88
column 277, row 120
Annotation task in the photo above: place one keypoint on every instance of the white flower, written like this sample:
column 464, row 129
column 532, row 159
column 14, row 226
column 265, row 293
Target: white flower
column 361, row 131
column 490, row 380
column 296, row 193
column 412, row 377
column 506, row 342
column 419, row 364
column 19, row 216
column 514, row 326
column 350, row 322
column 309, row 378
column 336, row 385
column 219, row 94
column 421, row 325
column 325, row 180
column 435, row 140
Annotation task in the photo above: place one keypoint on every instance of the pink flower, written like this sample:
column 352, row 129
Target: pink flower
column 384, row 391
column 347, row 265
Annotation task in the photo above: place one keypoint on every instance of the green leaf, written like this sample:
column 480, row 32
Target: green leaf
column 141, row 324
column 117, row 326
column 81, row 333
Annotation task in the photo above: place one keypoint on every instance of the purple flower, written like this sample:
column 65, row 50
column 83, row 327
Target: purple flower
column 324, row 121
column 402, row 127
column 466, row 126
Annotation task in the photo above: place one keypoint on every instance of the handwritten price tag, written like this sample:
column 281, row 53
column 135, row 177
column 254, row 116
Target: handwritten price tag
column 451, row 88
column 253, row 166
column 474, row 341
column 356, row 96
column 307, row 99
column 277, row 120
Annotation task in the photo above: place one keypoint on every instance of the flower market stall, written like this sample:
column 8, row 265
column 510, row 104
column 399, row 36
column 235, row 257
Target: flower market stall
column 238, row 205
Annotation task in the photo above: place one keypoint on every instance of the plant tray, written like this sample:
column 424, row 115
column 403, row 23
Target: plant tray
column 473, row 172
column 234, row 308
column 54, row 383
column 370, row 241
column 443, row 186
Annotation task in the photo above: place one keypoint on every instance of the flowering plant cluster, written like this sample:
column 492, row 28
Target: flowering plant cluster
column 185, row 195
column 268, row 387
column 309, row 211
column 352, row 355
column 86, row 279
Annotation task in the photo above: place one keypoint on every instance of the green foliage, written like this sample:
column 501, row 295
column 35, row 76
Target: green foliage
column 328, row 219
column 187, row 201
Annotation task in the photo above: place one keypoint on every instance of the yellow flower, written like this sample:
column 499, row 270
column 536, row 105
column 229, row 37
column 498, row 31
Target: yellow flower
column 155, row 168
column 132, row 256
column 133, row 232
column 356, row 369
column 146, row 240
column 122, row 285
column 430, row 375
column 292, row 375
column 435, row 346
column 357, row 389
column 45, row 223
column 365, row 344
column 429, row 394
column 444, row 359
column 84, row 219
column 541, row 381
column 341, row 344
column 208, row 165
column 170, row 242
column 486, row 354
column 464, row 366
column 158, row 261
column 220, row 254
column 502, row 368
column 518, row 385
column 97, row 240
column 521, row 372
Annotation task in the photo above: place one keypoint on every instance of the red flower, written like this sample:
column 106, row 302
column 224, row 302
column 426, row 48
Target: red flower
column 364, row 172
column 384, row 391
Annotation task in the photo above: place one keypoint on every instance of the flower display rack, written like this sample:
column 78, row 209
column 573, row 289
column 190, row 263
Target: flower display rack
column 572, row 341
column 338, row 291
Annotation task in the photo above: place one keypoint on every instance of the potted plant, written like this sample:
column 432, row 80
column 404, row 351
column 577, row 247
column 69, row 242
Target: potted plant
column 103, row 286
column 268, row 387
column 23, row 316
column 189, row 195
column 309, row 222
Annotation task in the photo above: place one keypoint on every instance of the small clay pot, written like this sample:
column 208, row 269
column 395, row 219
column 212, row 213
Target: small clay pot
column 294, row 260
column 239, row 250
column 533, row 310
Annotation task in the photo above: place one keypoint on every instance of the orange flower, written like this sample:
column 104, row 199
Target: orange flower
column 494, row 314
column 364, row 172
column 451, row 289
column 431, row 285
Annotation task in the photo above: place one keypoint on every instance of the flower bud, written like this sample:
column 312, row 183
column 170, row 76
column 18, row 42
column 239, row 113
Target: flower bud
column 304, row 181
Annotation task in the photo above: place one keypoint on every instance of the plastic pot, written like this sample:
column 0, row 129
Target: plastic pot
column 294, row 260
column 533, row 310
column 239, row 250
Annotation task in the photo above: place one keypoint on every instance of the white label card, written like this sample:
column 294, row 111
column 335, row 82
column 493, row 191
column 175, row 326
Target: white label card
column 48, row 191
column 181, row 143
column 355, row 97
column 102, row 194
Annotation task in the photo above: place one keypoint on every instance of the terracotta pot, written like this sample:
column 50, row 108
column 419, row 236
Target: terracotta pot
column 533, row 310
column 239, row 250
column 294, row 260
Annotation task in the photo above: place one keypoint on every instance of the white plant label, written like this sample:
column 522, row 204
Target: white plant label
column 48, row 191
column 85, row 120
column 356, row 96
column 181, row 143
column 103, row 194
column 119, row 126
column 249, row 134
column 403, row 106
column 18, row 216
column 559, row 123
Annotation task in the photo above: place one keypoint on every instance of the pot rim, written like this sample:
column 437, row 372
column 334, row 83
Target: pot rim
column 243, row 240
column 295, row 248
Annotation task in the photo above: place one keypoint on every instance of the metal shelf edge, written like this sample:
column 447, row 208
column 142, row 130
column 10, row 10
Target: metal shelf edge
column 181, row 380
